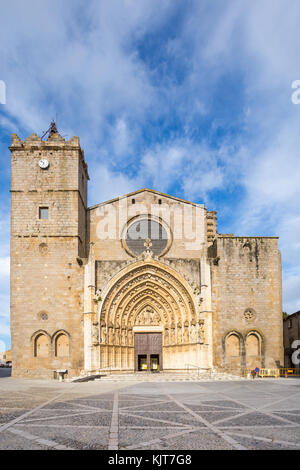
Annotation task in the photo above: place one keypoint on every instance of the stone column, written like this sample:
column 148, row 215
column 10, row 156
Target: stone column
column 205, row 311
column 88, row 320
column 89, row 310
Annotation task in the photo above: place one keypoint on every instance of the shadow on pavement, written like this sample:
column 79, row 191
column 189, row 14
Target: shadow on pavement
column 5, row 372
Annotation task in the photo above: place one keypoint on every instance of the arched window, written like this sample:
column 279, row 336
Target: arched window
column 233, row 351
column 62, row 345
column 252, row 345
column 253, row 350
column 41, row 346
column 232, row 346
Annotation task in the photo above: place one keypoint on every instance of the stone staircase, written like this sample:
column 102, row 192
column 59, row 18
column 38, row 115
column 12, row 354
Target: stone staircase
column 166, row 377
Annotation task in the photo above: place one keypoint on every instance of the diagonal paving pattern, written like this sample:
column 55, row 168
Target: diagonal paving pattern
column 256, row 414
column 113, row 443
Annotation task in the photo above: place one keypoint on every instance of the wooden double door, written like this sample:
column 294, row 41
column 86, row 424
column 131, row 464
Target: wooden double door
column 148, row 352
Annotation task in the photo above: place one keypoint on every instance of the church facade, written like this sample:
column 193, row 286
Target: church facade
column 142, row 282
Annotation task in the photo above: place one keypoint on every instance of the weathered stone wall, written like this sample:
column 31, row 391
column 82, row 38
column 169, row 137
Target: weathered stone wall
column 46, row 278
column 118, row 212
column 185, row 256
column 48, row 283
column 246, row 297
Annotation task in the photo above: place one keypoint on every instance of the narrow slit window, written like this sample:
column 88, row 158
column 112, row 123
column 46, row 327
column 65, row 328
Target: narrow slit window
column 44, row 213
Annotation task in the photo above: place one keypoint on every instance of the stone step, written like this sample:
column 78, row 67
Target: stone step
column 166, row 377
column 158, row 377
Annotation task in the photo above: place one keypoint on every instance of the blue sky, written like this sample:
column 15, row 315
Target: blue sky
column 191, row 97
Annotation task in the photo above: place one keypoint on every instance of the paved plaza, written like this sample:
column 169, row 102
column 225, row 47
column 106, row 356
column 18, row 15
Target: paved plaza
column 158, row 415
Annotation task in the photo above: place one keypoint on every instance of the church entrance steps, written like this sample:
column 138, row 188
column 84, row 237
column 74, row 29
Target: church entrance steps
column 159, row 377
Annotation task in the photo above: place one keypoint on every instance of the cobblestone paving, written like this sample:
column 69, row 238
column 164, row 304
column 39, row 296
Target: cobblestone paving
column 254, row 414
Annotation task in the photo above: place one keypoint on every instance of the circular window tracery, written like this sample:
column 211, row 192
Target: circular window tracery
column 43, row 315
column 146, row 233
column 249, row 314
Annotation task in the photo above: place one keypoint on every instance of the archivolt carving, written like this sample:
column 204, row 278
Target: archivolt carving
column 148, row 294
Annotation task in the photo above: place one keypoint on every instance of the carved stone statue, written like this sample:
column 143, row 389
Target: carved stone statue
column 130, row 337
column 103, row 333
column 172, row 335
column 166, row 336
column 95, row 333
column 201, row 331
column 111, row 335
column 148, row 316
column 123, row 336
column 193, row 334
column 156, row 318
column 179, row 334
column 186, row 334
column 117, row 335
column 141, row 318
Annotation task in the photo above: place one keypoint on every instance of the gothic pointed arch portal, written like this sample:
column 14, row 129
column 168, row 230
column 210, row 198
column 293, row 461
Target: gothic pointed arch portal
column 149, row 297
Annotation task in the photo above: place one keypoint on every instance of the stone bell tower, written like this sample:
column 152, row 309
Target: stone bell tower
column 48, row 241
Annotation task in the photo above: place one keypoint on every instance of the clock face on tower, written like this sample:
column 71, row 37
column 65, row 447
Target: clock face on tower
column 43, row 163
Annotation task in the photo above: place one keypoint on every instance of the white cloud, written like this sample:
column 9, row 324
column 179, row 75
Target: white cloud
column 122, row 138
column 82, row 56
column 4, row 267
column 291, row 289
column 107, row 185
